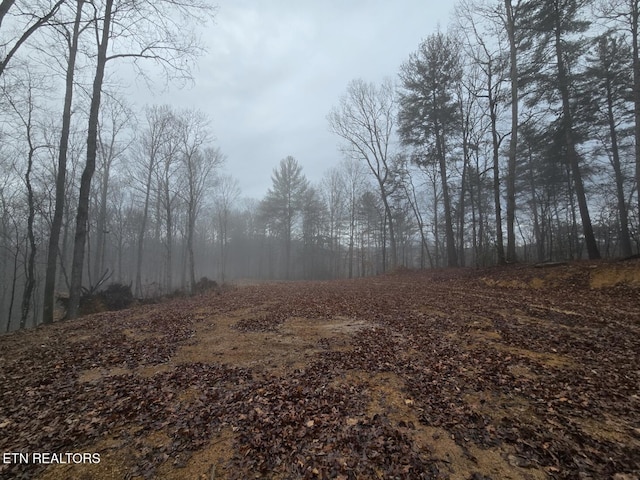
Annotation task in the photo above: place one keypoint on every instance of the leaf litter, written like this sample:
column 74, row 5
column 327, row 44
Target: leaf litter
column 503, row 373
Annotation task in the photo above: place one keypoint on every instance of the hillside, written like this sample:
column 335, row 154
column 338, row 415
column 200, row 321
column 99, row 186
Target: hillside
column 519, row 372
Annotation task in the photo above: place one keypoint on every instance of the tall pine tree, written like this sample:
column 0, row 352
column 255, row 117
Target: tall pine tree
column 608, row 109
column 429, row 112
column 283, row 203
column 554, row 27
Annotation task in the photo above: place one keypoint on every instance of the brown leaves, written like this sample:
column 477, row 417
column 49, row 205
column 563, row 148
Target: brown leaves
column 278, row 435
column 546, row 378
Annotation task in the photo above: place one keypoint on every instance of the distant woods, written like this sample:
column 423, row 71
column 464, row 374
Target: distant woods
column 514, row 135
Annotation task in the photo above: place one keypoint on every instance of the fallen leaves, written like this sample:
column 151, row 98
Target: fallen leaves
column 546, row 377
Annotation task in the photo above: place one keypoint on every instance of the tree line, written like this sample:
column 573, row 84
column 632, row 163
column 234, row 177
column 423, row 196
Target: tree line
column 514, row 135
column 526, row 106
column 70, row 46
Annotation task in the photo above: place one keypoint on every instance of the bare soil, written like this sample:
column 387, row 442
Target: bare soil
column 505, row 373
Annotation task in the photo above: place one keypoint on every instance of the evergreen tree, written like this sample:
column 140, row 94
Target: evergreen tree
column 553, row 26
column 429, row 112
column 511, row 14
column 283, row 203
column 608, row 110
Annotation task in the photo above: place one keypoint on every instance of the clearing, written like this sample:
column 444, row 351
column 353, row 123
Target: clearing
column 506, row 373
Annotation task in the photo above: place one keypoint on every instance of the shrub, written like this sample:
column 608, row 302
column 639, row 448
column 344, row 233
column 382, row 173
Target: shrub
column 91, row 304
column 204, row 284
column 117, row 296
column 177, row 293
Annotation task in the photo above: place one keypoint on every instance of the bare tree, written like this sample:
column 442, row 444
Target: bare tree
column 24, row 110
column 102, row 34
column 313, row 216
column 510, row 18
column 198, row 162
column 149, row 153
column 38, row 14
column 352, row 172
column 116, row 118
column 72, row 39
column 199, row 166
column 146, row 31
column 407, row 185
column 364, row 119
column 334, row 190
column 489, row 62
column 12, row 240
column 167, row 195
column 227, row 192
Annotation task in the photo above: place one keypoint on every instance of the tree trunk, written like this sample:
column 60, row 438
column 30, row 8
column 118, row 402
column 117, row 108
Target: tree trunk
column 513, row 143
column 222, row 220
column 462, row 209
column 101, row 226
column 169, row 221
column 56, row 224
column 287, row 238
column 436, row 230
column 495, row 142
column 392, row 235
column 30, row 280
column 537, row 230
column 587, row 228
column 635, row 13
column 413, row 203
column 452, row 256
column 625, row 238
column 13, row 283
column 184, row 263
column 474, row 233
column 143, row 228
column 352, row 232
column 190, row 233
column 481, row 223
column 85, row 182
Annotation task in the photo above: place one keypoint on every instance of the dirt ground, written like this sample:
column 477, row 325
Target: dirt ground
column 506, row 373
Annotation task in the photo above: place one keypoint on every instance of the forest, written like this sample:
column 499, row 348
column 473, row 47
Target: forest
column 511, row 135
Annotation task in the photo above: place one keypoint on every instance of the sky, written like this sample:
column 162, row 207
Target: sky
column 275, row 68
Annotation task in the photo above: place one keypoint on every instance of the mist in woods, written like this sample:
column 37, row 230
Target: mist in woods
column 510, row 135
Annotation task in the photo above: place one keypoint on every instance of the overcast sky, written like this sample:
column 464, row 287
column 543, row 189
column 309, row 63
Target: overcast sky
column 275, row 68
